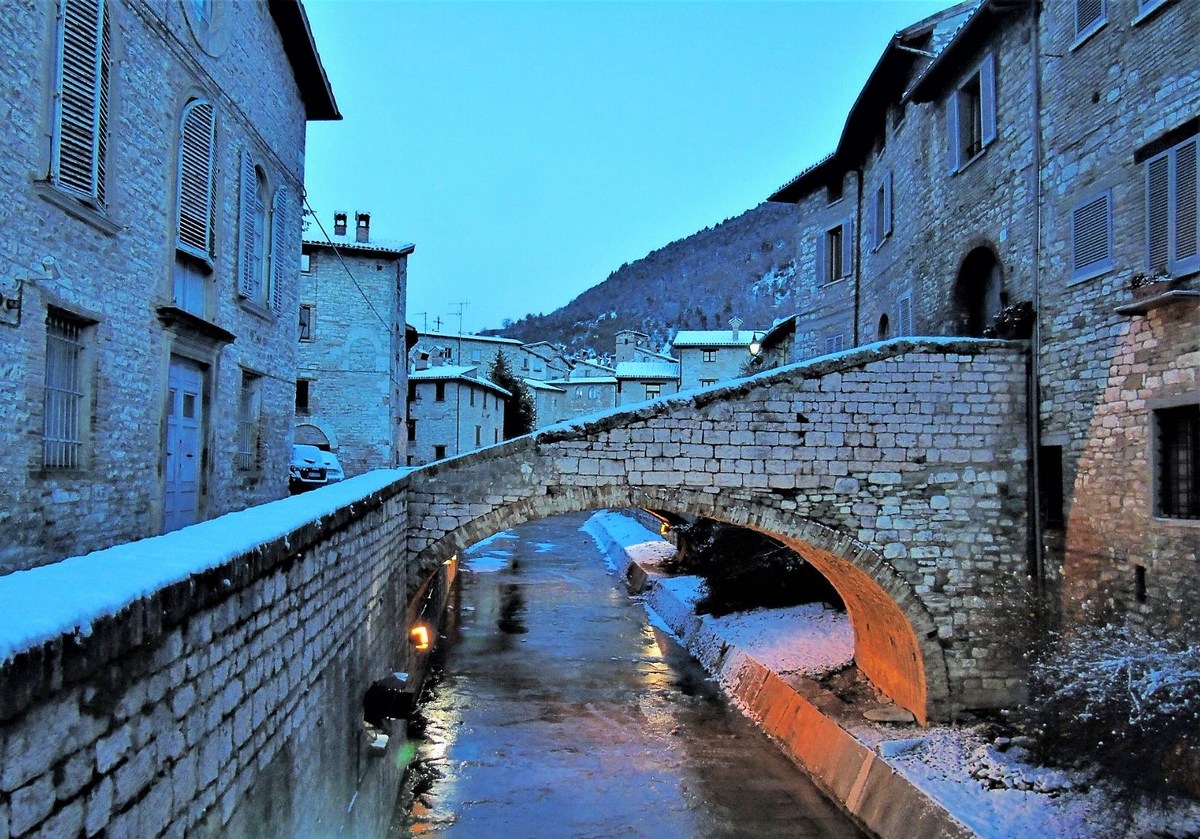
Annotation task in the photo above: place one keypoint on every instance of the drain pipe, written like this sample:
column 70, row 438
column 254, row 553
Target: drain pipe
column 1035, row 349
column 858, row 233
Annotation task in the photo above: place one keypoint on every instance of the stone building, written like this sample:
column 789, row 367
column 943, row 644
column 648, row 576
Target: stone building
column 709, row 356
column 153, row 169
column 351, row 364
column 1029, row 170
column 452, row 410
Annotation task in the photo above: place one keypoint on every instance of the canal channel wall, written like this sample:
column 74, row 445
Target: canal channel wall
column 798, row 714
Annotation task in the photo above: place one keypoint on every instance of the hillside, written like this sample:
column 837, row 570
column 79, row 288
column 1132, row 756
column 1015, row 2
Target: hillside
column 744, row 266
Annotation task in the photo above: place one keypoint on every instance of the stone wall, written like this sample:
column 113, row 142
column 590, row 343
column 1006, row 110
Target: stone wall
column 114, row 268
column 895, row 469
column 226, row 704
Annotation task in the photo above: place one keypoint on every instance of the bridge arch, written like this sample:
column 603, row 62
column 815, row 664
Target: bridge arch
column 894, row 636
column 891, row 468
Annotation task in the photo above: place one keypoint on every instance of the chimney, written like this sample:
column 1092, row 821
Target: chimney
column 339, row 224
column 735, row 324
column 362, row 227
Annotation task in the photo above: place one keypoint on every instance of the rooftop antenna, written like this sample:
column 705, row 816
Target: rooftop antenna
column 424, row 316
column 462, row 308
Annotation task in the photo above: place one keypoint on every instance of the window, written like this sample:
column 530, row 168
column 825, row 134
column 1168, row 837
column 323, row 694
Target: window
column 471, row 395
column 476, row 355
column 653, row 391
column 835, row 343
column 306, row 263
column 578, row 393
column 252, row 220
column 249, row 422
column 1091, row 237
column 1172, row 204
column 439, row 452
column 495, row 435
column 833, row 191
column 302, row 395
column 412, row 431
column 834, row 257
column 710, row 355
column 592, row 392
column 65, row 419
column 971, row 114
column 196, row 203
column 707, row 382
column 413, row 393
column 904, row 318
column 1050, row 487
column 1089, row 17
column 306, row 322
column 485, row 400
column 1145, row 7
column 439, row 392
column 1178, row 461
column 479, row 435
column 883, row 210
column 80, row 133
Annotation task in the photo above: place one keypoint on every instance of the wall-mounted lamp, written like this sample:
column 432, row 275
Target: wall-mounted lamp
column 418, row 636
column 755, row 348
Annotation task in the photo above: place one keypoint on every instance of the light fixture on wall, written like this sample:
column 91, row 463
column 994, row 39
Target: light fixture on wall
column 12, row 296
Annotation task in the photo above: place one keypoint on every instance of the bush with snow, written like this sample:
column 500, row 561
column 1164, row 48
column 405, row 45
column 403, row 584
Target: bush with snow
column 1125, row 698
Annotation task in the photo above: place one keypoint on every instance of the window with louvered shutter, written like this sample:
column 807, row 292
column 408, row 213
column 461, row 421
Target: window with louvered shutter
column 904, row 324
column 1089, row 16
column 81, row 99
column 252, row 231
column 197, row 184
column 283, row 247
column 1091, row 237
column 1172, row 214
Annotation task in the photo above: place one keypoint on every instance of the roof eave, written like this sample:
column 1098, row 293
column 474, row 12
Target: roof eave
column 976, row 30
column 301, row 48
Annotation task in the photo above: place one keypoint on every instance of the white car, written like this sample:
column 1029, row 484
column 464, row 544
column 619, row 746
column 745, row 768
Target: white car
column 307, row 469
column 333, row 467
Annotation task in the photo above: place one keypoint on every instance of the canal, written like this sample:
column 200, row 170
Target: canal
column 555, row 710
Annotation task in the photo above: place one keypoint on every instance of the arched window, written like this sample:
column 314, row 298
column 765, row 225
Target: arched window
column 196, row 204
column 978, row 292
column 885, row 328
column 84, row 63
column 257, row 249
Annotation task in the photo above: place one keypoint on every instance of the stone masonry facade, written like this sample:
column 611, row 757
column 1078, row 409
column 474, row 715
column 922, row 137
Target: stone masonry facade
column 1038, row 161
column 91, row 270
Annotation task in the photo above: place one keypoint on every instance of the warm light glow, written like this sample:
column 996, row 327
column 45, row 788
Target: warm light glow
column 419, row 636
column 664, row 529
column 755, row 348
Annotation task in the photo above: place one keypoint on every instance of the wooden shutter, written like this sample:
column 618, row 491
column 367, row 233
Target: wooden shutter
column 1091, row 237
column 81, row 113
column 953, row 140
column 283, row 247
column 848, row 246
column 246, row 226
column 987, row 99
column 819, row 257
column 1158, row 213
column 904, row 324
column 1187, row 256
column 1088, row 13
column 194, row 221
column 887, row 204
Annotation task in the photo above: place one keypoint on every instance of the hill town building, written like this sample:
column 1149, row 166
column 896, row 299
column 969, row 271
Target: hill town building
column 153, row 170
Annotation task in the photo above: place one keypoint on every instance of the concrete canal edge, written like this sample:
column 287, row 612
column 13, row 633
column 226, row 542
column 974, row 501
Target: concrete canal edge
column 801, row 717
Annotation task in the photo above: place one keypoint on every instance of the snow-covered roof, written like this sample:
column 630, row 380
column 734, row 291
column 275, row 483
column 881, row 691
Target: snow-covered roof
column 454, row 372
column 647, row 370
column 490, row 339
column 348, row 243
column 596, row 366
column 538, row 384
column 715, row 338
column 586, row 380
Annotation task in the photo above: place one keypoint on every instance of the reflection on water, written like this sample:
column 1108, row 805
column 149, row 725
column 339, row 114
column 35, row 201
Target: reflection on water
column 512, row 610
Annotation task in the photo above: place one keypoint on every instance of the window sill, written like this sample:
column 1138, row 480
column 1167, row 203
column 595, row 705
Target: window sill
column 1085, row 36
column 255, row 308
column 1155, row 301
column 71, row 205
column 962, row 167
column 1147, row 13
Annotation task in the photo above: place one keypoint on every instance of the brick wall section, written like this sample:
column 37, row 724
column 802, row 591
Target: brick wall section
column 229, row 704
column 899, row 470
column 116, row 269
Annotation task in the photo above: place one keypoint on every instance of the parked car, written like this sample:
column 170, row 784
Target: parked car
column 307, row 470
column 333, row 468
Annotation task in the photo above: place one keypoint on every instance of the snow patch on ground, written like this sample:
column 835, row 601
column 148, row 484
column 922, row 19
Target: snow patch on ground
column 488, row 563
column 810, row 639
column 68, row 597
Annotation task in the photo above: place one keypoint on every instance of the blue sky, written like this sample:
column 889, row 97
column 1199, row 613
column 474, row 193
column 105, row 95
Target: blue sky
column 528, row 149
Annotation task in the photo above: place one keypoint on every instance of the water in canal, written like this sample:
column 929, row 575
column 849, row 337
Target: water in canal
column 556, row 711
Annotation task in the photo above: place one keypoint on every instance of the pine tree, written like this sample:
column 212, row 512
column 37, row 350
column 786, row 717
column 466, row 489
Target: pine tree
column 520, row 413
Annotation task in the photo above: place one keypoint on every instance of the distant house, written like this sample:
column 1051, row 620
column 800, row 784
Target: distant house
column 452, row 410
column 152, row 174
column 549, row 399
column 350, row 373
column 476, row 350
column 710, row 356
column 638, row 381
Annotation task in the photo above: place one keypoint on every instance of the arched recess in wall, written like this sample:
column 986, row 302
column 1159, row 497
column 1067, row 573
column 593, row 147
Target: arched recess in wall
column 895, row 638
column 316, row 433
column 363, row 352
column 978, row 294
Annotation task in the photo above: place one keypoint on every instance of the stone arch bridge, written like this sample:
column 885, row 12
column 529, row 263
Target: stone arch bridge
column 215, row 686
